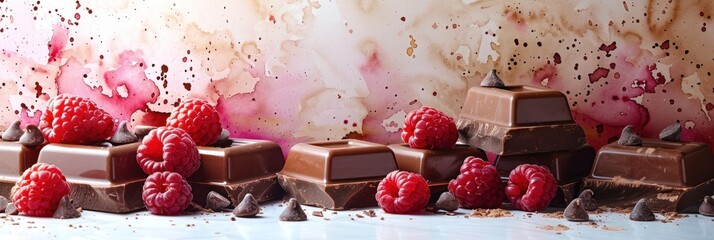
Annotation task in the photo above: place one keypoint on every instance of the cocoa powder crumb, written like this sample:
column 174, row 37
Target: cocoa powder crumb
column 490, row 213
column 559, row 227
column 554, row 215
column 370, row 213
column 317, row 213
column 359, row 215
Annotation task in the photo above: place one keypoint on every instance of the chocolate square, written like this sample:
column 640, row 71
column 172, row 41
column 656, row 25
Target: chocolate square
column 16, row 159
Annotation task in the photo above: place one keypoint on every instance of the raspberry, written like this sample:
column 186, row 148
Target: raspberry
column 531, row 187
column 478, row 185
column 428, row 128
column 199, row 119
column 40, row 190
column 402, row 192
column 168, row 149
column 75, row 120
column 166, row 193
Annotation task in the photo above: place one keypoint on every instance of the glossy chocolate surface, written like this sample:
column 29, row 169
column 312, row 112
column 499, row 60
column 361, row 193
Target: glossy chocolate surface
column 434, row 165
column 239, row 160
column 16, row 158
column 95, row 165
column 520, row 140
column 566, row 166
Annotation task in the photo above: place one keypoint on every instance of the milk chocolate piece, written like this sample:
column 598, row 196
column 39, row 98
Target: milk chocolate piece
column 32, row 137
column 628, row 137
column 707, row 207
column 236, row 168
column 293, row 212
column 586, row 197
column 13, row 133
column 216, row 202
column 123, row 136
column 671, row 133
column 492, row 80
column 11, row 209
column 3, row 203
column 675, row 176
column 438, row 167
column 575, row 211
column 66, row 210
column 248, row 207
column 518, row 120
column 641, row 212
column 337, row 175
column 102, row 178
column 447, row 202
column 16, row 158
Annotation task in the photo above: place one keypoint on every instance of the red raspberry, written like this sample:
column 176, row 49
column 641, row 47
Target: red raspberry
column 168, row 149
column 531, row 187
column 75, row 120
column 402, row 192
column 166, row 193
column 478, row 185
column 39, row 190
column 197, row 118
column 428, row 128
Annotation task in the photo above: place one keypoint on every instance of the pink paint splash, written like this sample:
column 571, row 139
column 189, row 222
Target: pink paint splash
column 60, row 34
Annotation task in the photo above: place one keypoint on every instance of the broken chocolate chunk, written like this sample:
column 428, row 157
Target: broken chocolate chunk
column 707, row 207
column 11, row 209
column 66, row 210
column 672, row 133
column 142, row 130
column 293, row 212
column 492, row 80
column 248, row 207
column 447, row 202
column 13, row 133
column 216, row 201
column 3, row 203
column 586, row 197
column 123, row 135
column 642, row 212
column 32, row 137
column 575, row 211
column 628, row 137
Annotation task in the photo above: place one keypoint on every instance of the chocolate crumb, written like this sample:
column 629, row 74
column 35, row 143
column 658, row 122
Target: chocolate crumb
column 3, row 203
column 326, row 219
column 11, row 209
column 672, row 133
column 557, row 214
column 13, row 133
column 492, row 80
column 642, row 212
column 143, row 130
column 233, row 219
column 382, row 218
column 370, row 213
column 559, row 227
column 359, row 215
column 248, row 207
column 293, row 212
column 575, row 211
column 447, row 202
column 628, row 137
column 216, row 202
column 490, row 213
column 586, row 197
column 706, row 209
column 123, row 136
column 317, row 213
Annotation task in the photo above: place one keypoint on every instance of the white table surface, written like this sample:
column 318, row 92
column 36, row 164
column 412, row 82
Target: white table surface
column 345, row 225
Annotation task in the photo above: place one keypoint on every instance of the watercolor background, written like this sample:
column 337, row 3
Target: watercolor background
column 293, row 71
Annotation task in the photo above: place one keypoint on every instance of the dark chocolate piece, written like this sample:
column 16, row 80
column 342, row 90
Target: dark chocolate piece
column 586, row 197
column 216, row 202
column 492, row 80
column 13, row 133
column 339, row 174
column 225, row 134
column 142, row 130
column 672, row 133
column 123, row 136
column 241, row 167
column 628, row 137
column 66, row 210
column 641, row 212
column 447, row 202
column 575, row 212
column 3, row 203
column 293, row 212
column 248, row 207
column 11, row 209
column 707, row 207
column 32, row 137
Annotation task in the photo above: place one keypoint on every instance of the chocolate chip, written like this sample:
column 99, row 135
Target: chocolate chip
column 225, row 134
column 586, row 197
column 628, row 137
column 447, row 202
column 123, row 135
column 575, row 211
column 707, row 207
column 248, row 207
column 642, row 212
column 66, row 210
column 32, row 137
column 224, row 140
column 216, row 202
column 672, row 133
column 11, row 209
column 142, row 130
column 492, row 80
column 13, row 133
column 293, row 212
column 3, row 203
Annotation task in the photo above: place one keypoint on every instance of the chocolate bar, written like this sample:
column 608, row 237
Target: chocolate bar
column 675, row 176
column 518, row 120
column 103, row 177
column 16, row 159
column 438, row 167
column 337, row 175
column 235, row 167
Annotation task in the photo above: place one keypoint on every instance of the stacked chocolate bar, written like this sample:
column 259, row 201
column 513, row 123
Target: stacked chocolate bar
column 525, row 124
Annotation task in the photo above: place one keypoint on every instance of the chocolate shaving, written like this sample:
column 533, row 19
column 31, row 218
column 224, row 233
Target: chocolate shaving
column 447, row 202
column 492, row 80
column 123, row 136
column 142, row 130
column 628, row 137
column 317, row 213
column 11, row 209
column 13, row 133
column 66, row 210
column 672, row 133
column 3, row 203
column 32, row 137
column 707, row 207
column 248, row 207
column 586, row 197
column 575, row 211
column 642, row 212
column 216, row 201
column 293, row 212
